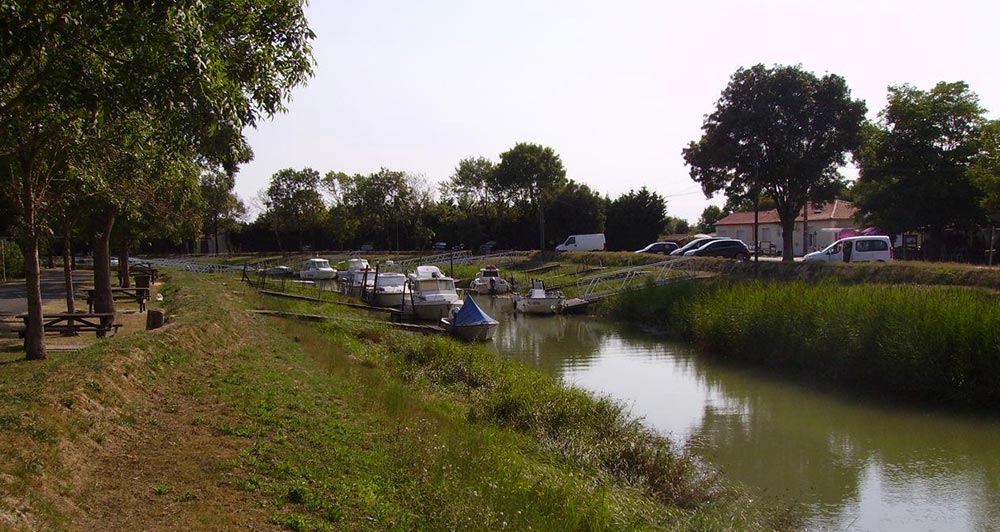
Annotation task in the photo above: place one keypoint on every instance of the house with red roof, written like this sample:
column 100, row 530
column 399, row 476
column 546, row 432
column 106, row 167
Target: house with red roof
column 826, row 221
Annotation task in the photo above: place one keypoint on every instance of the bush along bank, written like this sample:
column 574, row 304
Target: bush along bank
column 937, row 344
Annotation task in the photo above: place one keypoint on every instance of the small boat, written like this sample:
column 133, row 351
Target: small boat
column 431, row 294
column 470, row 323
column 539, row 300
column 388, row 290
column 316, row 269
column 358, row 274
column 488, row 281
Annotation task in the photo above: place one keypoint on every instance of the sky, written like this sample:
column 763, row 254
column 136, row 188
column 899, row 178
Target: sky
column 616, row 88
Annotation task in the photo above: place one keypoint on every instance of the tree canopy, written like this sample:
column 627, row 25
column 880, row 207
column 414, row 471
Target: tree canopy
column 916, row 160
column 781, row 132
column 533, row 173
column 635, row 219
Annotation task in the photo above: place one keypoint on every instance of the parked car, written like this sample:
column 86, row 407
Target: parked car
column 367, row 246
column 875, row 248
column 728, row 248
column 440, row 246
column 659, row 247
column 591, row 242
column 488, row 247
column 694, row 244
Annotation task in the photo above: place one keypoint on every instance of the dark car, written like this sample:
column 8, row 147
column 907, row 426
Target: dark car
column 440, row 246
column 726, row 248
column 659, row 247
column 694, row 244
column 488, row 247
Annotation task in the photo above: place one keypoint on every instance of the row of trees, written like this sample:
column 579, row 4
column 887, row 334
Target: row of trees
column 524, row 201
column 112, row 112
column 779, row 135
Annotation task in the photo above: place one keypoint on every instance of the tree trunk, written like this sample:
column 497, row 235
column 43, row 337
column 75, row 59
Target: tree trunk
column 215, row 234
column 67, row 253
column 34, row 335
column 103, row 301
column 123, row 273
column 787, row 239
column 541, row 226
column 805, row 228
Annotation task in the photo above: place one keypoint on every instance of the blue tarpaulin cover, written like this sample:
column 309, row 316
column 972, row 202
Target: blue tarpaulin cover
column 471, row 314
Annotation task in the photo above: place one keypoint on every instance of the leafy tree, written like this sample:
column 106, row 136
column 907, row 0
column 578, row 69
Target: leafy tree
column 635, row 219
column 916, row 160
column 673, row 225
column 222, row 207
column 985, row 171
column 780, row 132
column 575, row 209
column 473, row 183
column 709, row 216
column 532, row 174
column 389, row 207
column 294, row 203
column 198, row 71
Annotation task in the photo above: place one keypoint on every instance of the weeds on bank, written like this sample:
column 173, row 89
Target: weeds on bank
column 936, row 343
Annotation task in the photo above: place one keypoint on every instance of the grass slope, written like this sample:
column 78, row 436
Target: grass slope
column 226, row 420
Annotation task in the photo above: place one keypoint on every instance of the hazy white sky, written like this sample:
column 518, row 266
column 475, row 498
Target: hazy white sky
column 617, row 88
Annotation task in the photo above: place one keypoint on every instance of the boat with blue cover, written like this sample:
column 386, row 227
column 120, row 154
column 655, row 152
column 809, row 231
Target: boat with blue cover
column 470, row 323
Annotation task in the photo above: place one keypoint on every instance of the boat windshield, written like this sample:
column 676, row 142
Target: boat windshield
column 391, row 281
column 436, row 285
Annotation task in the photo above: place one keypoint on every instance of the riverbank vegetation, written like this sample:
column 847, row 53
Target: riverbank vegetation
column 224, row 418
column 939, row 344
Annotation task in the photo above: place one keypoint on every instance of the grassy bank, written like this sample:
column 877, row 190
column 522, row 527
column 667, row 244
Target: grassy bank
column 938, row 344
column 228, row 420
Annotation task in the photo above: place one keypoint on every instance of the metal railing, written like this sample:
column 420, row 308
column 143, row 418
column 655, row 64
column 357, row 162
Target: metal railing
column 613, row 282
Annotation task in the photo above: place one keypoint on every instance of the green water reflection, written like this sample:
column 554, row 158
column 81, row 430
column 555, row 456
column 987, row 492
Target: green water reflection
column 855, row 464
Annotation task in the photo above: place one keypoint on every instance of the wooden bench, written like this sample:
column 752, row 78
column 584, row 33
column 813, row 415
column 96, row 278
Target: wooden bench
column 100, row 322
column 138, row 294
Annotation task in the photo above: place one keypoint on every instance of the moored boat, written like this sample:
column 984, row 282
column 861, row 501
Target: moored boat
column 388, row 290
column 470, row 323
column 489, row 281
column 359, row 275
column 316, row 268
column 539, row 300
column 432, row 294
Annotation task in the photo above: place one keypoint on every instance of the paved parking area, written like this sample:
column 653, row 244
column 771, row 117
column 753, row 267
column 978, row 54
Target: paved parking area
column 12, row 294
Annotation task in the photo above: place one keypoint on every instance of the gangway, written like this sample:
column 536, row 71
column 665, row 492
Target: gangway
column 607, row 284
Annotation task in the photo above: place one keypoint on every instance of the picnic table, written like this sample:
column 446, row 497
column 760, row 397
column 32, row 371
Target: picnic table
column 142, row 269
column 137, row 293
column 100, row 322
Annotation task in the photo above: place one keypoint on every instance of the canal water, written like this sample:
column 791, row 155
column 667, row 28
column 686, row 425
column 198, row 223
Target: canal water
column 855, row 464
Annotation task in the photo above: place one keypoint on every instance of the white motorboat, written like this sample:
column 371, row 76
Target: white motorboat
column 388, row 290
column 316, row 269
column 470, row 323
column 432, row 294
column 488, row 281
column 539, row 300
column 358, row 274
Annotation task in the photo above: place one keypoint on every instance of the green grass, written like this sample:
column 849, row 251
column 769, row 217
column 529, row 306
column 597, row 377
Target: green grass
column 940, row 344
column 352, row 425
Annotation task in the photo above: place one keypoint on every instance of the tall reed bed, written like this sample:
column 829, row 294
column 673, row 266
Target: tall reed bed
column 936, row 343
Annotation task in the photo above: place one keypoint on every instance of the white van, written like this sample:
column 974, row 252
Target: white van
column 594, row 242
column 855, row 249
